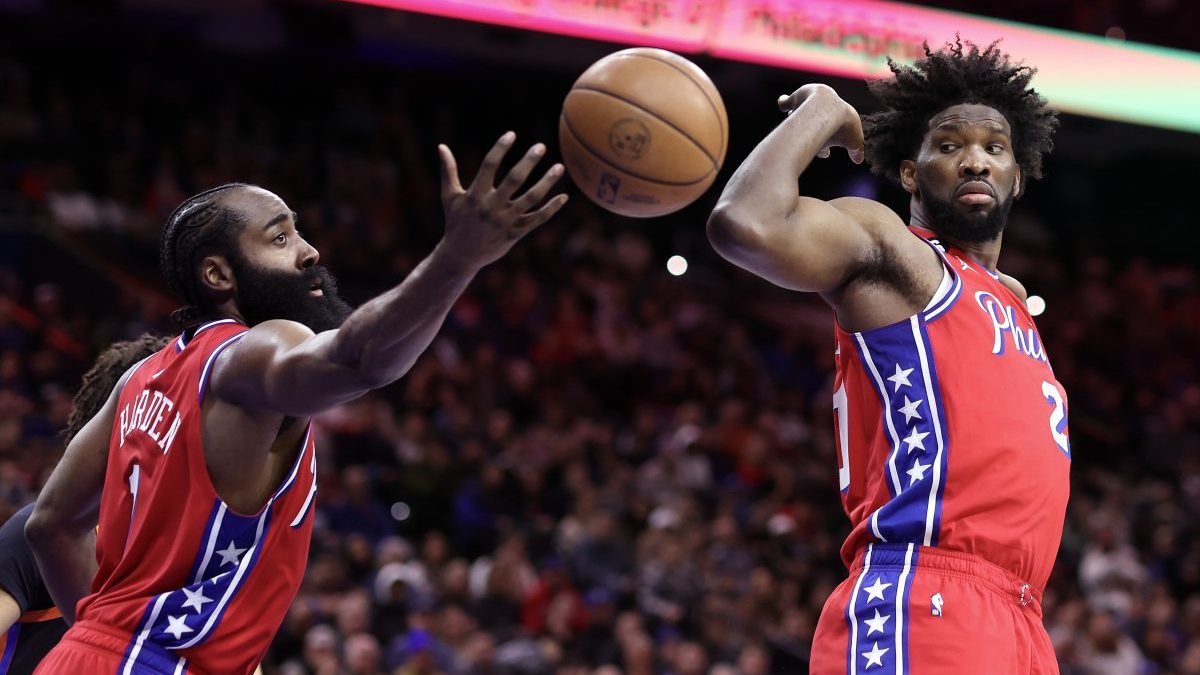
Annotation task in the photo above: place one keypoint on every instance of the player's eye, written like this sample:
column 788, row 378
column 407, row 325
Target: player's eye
column 948, row 147
column 280, row 239
column 995, row 148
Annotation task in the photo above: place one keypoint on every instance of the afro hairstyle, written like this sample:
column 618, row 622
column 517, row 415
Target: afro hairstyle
column 959, row 73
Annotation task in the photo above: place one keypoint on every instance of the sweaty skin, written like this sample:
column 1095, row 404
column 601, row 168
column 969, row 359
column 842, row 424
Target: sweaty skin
column 857, row 253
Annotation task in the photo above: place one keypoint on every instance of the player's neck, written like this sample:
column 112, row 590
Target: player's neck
column 986, row 253
column 228, row 310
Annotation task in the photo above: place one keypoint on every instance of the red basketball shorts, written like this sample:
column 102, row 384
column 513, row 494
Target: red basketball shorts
column 89, row 647
column 914, row 610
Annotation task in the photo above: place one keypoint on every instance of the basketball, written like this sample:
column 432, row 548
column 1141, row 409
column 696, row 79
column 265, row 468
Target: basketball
column 643, row 132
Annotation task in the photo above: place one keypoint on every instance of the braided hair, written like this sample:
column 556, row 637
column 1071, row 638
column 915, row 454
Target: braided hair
column 99, row 381
column 950, row 76
column 201, row 223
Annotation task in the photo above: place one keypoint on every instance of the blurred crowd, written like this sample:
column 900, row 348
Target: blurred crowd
column 597, row 468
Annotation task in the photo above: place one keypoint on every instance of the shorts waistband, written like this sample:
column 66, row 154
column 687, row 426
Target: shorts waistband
column 956, row 563
column 151, row 658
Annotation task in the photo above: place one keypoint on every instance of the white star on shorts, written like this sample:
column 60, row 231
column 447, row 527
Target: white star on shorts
column 875, row 656
column 875, row 590
column 876, row 625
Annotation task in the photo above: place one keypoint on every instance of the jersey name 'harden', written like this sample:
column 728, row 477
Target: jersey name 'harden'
column 1004, row 320
column 146, row 413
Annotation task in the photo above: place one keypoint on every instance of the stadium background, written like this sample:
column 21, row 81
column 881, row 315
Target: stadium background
column 597, row 465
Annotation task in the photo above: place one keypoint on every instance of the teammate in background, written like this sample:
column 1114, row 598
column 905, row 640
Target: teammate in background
column 200, row 467
column 30, row 625
column 950, row 425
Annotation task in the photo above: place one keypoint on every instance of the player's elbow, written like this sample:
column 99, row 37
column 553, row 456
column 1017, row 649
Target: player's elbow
column 41, row 526
column 732, row 233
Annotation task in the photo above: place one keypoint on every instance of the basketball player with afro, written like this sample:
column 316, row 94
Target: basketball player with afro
column 951, row 429
column 200, row 467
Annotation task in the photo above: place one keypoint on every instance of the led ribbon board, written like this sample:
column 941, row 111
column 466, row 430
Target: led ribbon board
column 1079, row 73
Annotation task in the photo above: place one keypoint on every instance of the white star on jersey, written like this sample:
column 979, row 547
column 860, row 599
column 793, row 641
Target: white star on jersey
column 230, row 555
column 195, row 599
column 875, row 590
column 875, row 656
column 178, row 626
column 876, row 625
column 916, row 439
column 917, row 472
column 901, row 377
column 910, row 409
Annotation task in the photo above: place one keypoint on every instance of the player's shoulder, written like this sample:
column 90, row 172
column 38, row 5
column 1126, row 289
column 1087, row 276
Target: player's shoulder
column 1015, row 286
column 884, row 225
column 875, row 217
column 272, row 335
column 254, row 351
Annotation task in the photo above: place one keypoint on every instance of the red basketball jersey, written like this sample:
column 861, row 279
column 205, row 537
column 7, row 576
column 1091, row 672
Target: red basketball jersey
column 952, row 429
column 179, row 570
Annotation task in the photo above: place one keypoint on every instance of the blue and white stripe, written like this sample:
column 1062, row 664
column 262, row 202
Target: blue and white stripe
column 877, row 613
column 312, row 489
column 143, row 655
column 938, row 306
column 899, row 359
column 231, row 547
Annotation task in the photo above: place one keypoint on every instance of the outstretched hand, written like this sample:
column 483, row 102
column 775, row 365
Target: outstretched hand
column 484, row 220
column 849, row 135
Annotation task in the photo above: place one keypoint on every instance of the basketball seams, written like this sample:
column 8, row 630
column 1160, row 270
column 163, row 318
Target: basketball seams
column 641, row 107
column 566, row 124
column 699, row 85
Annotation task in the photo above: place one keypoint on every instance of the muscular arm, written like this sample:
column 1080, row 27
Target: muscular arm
column 801, row 243
column 62, row 528
column 281, row 367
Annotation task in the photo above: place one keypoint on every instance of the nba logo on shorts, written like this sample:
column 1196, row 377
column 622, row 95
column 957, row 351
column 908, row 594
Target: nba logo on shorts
column 609, row 185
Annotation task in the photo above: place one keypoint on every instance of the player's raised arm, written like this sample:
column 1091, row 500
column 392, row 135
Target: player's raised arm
column 282, row 367
column 760, row 222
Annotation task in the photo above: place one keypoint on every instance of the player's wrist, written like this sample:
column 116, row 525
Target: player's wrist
column 452, row 259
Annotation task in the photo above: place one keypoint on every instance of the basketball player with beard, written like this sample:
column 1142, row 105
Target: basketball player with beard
column 951, row 429
column 200, row 467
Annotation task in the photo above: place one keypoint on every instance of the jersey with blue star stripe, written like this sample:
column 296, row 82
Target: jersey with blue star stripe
column 952, row 431
column 193, row 583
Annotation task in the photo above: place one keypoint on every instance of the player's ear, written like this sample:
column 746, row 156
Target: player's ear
column 1016, row 192
column 908, row 176
column 216, row 275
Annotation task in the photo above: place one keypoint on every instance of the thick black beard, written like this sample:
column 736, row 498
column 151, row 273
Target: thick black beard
column 972, row 227
column 263, row 295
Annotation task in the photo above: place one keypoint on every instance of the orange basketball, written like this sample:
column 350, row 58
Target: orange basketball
column 643, row 132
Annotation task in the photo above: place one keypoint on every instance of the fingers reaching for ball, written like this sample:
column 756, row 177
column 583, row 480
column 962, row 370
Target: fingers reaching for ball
column 485, row 219
column 486, row 178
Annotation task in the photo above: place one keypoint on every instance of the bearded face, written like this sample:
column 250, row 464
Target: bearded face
column 308, row 296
